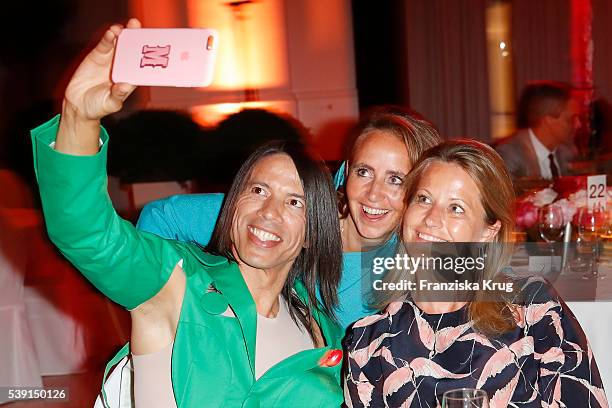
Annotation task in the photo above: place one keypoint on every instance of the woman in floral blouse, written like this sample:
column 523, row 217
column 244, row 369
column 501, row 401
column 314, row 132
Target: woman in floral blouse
column 525, row 350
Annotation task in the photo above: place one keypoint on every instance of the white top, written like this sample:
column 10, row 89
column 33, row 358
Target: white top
column 153, row 379
column 277, row 338
column 542, row 153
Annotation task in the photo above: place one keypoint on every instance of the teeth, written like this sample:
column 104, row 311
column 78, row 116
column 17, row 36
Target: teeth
column 426, row 237
column 263, row 235
column 374, row 211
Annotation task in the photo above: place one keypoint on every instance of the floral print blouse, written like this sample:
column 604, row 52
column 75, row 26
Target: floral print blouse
column 404, row 357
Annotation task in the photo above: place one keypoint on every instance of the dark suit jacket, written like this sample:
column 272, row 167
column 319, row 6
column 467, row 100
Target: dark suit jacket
column 520, row 156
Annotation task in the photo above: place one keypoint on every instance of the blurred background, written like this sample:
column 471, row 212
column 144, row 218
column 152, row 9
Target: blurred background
column 461, row 63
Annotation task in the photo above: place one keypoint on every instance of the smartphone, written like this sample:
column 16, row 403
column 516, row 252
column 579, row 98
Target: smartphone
column 182, row 57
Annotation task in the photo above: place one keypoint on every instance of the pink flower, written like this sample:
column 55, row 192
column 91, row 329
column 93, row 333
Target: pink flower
column 544, row 197
column 526, row 214
column 527, row 206
column 568, row 208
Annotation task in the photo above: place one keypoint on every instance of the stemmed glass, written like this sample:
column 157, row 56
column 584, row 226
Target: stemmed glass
column 550, row 222
column 551, row 225
column 592, row 226
column 606, row 238
column 464, row 398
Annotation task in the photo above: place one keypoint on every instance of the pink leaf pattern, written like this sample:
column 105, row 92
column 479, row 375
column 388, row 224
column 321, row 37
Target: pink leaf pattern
column 407, row 358
column 501, row 398
column 598, row 392
column 366, row 321
column 386, row 354
column 553, row 355
column 500, row 360
column 504, row 357
column 425, row 367
column 393, row 308
column 523, row 347
column 365, row 392
column 535, row 312
column 397, row 379
column 447, row 336
column 477, row 337
column 408, row 402
column 362, row 356
column 426, row 333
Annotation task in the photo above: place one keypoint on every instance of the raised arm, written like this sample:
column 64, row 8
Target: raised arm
column 128, row 266
column 90, row 96
column 187, row 218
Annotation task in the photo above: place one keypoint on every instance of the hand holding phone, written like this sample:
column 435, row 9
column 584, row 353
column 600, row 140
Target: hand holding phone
column 181, row 57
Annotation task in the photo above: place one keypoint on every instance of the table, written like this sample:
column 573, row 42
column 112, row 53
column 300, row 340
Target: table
column 52, row 321
column 589, row 299
column 596, row 321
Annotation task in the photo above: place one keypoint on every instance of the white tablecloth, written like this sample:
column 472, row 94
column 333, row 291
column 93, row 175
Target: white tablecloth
column 596, row 321
column 591, row 302
column 18, row 357
column 46, row 309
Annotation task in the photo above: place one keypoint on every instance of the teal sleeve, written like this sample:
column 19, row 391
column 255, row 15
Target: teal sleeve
column 191, row 217
column 339, row 177
column 128, row 266
column 187, row 218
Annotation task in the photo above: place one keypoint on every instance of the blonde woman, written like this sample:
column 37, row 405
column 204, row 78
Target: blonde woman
column 531, row 352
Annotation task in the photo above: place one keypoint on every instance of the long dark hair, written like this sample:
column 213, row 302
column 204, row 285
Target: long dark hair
column 318, row 266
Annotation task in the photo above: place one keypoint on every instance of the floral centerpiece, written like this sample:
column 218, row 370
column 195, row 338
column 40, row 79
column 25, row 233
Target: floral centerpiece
column 569, row 193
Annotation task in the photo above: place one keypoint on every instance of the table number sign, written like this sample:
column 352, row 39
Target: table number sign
column 596, row 192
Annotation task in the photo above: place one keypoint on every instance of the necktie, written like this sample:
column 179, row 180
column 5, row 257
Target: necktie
column 554, row 170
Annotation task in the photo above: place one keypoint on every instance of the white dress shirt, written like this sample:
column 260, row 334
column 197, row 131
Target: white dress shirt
column 542, row 153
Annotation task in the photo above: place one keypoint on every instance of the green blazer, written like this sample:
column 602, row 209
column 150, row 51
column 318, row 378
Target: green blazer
column 213, row 359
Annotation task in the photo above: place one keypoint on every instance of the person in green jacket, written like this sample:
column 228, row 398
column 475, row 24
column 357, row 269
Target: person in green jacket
column 212, row 315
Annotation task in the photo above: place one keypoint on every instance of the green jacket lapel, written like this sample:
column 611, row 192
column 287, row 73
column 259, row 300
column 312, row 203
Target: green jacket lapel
column 228, row 280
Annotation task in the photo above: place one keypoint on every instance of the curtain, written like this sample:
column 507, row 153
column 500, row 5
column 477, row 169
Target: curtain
column 447, row 65
column 602, row 48
column 541, row 41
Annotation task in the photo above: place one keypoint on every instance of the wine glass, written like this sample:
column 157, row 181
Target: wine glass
column 550, row 222
column 592, row 226
column 606, row 239
column 551, row 226
column 464, row 398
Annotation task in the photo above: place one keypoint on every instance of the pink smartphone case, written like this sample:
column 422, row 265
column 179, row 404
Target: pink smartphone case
column 182, row 57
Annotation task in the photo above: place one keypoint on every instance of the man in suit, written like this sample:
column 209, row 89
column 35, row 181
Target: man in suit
column 544, row 146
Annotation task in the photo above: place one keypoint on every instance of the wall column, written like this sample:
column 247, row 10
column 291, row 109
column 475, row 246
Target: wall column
column 501, row 71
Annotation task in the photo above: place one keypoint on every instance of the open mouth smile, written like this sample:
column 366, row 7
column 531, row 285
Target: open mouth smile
column 429, row 238
column 262, row 235
column 371, row 212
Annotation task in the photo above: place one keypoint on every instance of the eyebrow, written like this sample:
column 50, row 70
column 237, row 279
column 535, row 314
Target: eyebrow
column 297, row 196
column 393, row 172
column 266, row 185
column 352, row 166
column 396, row 173
column 452, row 198
column 463, row 201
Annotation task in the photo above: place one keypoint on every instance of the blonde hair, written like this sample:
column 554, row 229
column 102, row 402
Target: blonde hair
column 487, row 170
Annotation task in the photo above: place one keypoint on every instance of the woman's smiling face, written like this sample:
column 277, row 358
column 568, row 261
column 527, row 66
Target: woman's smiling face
column 375, row 186
column 446, row 207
